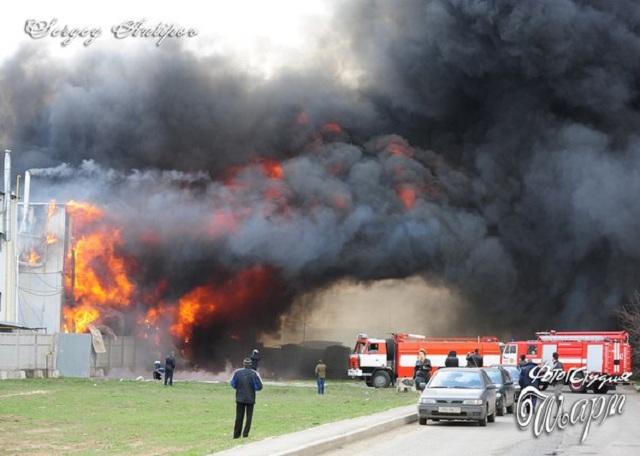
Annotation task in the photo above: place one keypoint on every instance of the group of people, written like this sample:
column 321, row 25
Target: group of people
column 423, row 368
column 166, row 370
column 526, row 365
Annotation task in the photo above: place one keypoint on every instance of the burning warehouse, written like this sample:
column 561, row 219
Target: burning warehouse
column 488, row 149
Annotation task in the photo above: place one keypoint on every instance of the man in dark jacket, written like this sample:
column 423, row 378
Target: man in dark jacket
column 246, row 382
column 169, row 367
column 452, row 359
column 474, row 359
column 527, row 380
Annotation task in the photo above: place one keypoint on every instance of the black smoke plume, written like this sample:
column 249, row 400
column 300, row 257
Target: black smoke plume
column 488, row 146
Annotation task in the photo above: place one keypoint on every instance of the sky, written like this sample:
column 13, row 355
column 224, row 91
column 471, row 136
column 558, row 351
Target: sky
column 260, row 34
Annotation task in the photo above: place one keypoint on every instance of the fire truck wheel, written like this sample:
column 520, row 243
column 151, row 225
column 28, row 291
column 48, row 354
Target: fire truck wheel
column 578, row 386
column 381, row 379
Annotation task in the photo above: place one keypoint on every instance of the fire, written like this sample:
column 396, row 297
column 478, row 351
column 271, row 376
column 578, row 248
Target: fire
column 51, row 209
column 399, row 148
column 33, row 258
column 77, row 319
column 331, row 128
column 208, row 303
column 96, row 275
column 408, row 196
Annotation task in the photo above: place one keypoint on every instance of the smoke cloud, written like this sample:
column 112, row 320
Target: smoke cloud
column 489, row 147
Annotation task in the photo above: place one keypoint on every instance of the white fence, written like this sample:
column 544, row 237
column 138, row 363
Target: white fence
column 25, row 354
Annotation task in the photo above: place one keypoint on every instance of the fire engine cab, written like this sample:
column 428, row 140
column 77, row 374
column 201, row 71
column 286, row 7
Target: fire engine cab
column 605, row 353
column 379, row 362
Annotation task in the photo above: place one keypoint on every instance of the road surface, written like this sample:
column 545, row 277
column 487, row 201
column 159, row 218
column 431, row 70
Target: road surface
column 618, row 434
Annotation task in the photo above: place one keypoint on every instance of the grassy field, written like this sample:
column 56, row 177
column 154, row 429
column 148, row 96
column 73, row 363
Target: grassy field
column 110, row 417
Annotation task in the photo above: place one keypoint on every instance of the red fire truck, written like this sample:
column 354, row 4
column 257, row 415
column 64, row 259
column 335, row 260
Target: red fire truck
column 604, row 354
column 381, row 361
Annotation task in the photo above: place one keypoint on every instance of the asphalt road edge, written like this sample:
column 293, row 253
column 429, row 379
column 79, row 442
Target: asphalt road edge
column 333, row 443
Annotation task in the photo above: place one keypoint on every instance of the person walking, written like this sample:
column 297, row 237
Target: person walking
column 422, row 370
column 321, row 375
column 169, row 367
column 246, row 382
column 255, row 359
column 452, row 359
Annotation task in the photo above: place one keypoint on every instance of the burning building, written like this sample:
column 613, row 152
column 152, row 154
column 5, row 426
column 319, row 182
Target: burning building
column 487, row 148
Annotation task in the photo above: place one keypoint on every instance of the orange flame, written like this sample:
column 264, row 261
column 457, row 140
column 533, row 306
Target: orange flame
column 33, row 258
column 77, row 319
column 408, row 196
column 96, row 275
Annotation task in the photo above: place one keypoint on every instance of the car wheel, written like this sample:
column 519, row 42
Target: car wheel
column 422, row 421
column 501, row 411
column 511, row 408
column 483, row 422
column 491, row 418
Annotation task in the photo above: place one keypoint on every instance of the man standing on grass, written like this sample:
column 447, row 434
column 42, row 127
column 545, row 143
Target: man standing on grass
column 169, row 367
column 321, row 375
column 246, row 382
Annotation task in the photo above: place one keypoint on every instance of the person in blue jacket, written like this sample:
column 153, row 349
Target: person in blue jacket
column 246, row 382
column 527, row 379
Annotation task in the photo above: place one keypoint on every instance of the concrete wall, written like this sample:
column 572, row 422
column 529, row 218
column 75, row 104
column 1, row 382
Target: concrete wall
column 27, row 353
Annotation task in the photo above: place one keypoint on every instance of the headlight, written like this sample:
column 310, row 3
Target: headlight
column 426, row 400
column 473, row 402
column 498, row 395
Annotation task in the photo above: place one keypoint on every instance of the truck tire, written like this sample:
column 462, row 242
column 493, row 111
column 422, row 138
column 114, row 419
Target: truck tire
column 578, row 386
column 381, row 379
column 423, row 421
column 601, row 389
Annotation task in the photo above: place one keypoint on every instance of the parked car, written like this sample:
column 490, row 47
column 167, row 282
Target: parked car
column 458, row 393
column 515, row 375
column 506, row 390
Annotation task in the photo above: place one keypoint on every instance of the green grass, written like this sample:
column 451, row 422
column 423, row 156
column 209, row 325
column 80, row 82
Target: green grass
column 109, row 417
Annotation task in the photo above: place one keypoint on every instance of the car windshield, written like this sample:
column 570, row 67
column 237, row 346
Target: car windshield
column 456, row 379
column 495, row 375
column 515, row 373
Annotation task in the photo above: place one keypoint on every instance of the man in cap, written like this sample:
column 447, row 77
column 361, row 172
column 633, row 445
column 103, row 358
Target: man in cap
column 246, row 382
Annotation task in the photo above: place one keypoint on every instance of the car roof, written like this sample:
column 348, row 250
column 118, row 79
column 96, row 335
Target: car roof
column 461, row 369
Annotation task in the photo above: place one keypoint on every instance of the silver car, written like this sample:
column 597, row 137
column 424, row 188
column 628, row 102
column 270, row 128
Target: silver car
column 458, row 393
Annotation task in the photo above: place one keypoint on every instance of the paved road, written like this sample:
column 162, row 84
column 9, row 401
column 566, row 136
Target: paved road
column 619, row 434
